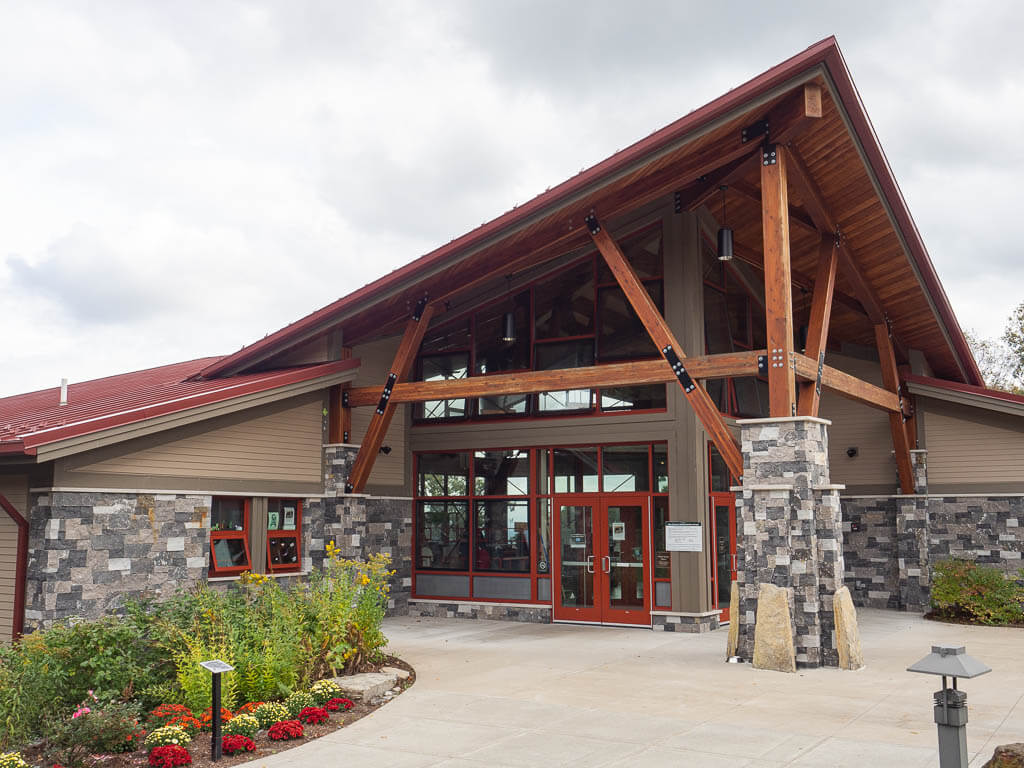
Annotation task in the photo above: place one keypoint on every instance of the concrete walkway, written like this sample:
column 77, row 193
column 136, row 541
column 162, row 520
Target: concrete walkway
column 502, row 694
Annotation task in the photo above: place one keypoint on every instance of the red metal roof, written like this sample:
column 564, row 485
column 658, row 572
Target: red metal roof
column 30, row 420
column 969, row 389
column 825, row 53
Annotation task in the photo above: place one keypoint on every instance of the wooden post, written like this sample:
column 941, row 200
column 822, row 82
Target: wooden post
column 817, row 329
column 665, row 340
column 381, row 419
column 339, row 414
column 778, row 282
column 891, row 381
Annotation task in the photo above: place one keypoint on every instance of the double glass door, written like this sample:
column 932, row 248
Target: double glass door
column 603, row 549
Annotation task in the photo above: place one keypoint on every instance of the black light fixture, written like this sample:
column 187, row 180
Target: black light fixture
column 508, row 335
column 724, row 234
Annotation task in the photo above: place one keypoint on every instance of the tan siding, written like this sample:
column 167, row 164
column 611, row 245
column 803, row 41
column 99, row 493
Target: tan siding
column 15, row 488
column 967, row 446
column 8, row 572
column 856, row 425
column 284, row 444
column 375, row 363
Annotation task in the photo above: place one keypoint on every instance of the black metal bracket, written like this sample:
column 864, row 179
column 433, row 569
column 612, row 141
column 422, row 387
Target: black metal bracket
column 769, row 154
column 754, row 131
column 386, row 394
column 417, row 313
column 762, row 365
column 344, row 398
column 821, row 369
column 349, row 488
column 344, row 437
column 677, row 201
column 592, row 223
column 678, row 369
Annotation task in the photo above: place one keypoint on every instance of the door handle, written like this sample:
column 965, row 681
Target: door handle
column 590, row 564
column 734, row 563
column 607, row 561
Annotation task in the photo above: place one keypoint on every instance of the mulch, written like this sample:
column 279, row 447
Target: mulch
column 932, row 616
column 201, row 746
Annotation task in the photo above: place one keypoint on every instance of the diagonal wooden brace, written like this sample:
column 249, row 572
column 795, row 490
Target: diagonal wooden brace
column 381, row 419
column 891, row 381
column 666, row 342
column 817, row 330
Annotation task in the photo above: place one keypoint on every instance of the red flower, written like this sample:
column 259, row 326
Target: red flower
column 169, row 756
column 187, row 722
column 285, row 729
column 163, row 714
column 237, row 743
column 335, row 704
column 313, row 715
column 248, row 709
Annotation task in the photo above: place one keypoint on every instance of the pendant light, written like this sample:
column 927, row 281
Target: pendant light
column 724, row 234
column 508, row 335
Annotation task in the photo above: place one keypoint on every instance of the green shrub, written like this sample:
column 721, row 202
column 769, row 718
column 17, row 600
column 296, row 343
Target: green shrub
column 325, row 690
column 982, row 594
column 93, row 728
column 242, row 725
column 32, row 685
column 297, row 702
column 168, row 734
column 271, row 713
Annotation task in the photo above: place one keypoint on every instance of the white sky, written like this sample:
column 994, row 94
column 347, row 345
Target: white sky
column 178, row 179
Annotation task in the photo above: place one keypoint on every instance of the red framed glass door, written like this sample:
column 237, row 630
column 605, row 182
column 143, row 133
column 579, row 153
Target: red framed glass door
column 723, row 520
column 603, row 554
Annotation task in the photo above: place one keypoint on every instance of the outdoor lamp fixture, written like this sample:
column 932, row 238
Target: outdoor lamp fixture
column 508, row 335
column 724, row 234
column 950, row 703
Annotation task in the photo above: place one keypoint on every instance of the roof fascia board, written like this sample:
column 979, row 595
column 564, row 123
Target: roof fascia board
column 969, row 399
column 226, row 367
column 834, row 63
column 100, row 439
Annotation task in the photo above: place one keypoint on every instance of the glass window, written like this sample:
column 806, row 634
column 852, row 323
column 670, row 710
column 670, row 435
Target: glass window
column 227, row 514
column 626, row 468
column 543, row 535
column 564, row 305
column 621, row 335
column 633, row 398
column 739, row 318
column 501, row 473
column 442, row 535
column 568, row 354
column 544, row 471
column 454, row 336
column 717, row 338
column 503, row 405
column 229, row 536
column 660, row 453
column 230, row 554
column 751, row 396
column 443, row 474
column 493, row 349
column 718, row 391
column 714, row 270
column 284, row 527
column 502, row 536
column 643, row 251
column 575, row 470
column 443, row 368
column 719, row 471
column 662, row 561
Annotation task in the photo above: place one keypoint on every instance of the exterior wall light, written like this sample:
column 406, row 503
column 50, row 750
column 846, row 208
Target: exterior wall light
column 950, row 703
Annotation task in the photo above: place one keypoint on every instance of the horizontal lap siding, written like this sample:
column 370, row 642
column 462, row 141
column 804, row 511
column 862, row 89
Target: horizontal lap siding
column 15, row 488
column 375, row 361
column 966, row 447
column 281, row 445
column 8, row 573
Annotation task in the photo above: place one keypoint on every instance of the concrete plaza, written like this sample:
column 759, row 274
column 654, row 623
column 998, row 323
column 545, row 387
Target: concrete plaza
column 503, row 694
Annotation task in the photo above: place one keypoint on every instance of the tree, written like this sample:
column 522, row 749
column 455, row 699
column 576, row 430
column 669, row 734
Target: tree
column 1002, row 360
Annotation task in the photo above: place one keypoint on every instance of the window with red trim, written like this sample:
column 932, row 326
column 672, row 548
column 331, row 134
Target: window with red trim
column 229, row 536
column 284, row 529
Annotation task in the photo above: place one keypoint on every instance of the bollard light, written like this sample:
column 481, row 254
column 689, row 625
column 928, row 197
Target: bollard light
column 950, row 703
column 216, row 667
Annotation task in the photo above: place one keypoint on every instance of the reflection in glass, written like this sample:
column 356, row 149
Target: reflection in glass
column 503, row 536
column 642, row 251
column 493, row 352
column 443, row 474
column 443, row 368
column 503, row 405
column 720, row 480
column 660, row 452
column 662, row 561
column 621, row 335
column 626, row 550
column 575, row 470
column 283, row 551
column 751, row 396
column 565, row 354
column 564, row 305
column 626, row 468
column 501, row 473
column 227, row 514
column 718, row 391
column 543, row 535
column 633, row 398
column 577, row 556
column 717, row 338
column 442, row 533
column 723, row 554
column 230, row 553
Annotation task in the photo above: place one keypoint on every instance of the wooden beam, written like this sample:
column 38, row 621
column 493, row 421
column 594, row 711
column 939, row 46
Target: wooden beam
column 339, row 415
column 665, row 341
column 845, row 385
column 381, row 419
column 530, row 382
column 778, row 284
column 891, row 381
column 751, row 193
column 817, row 328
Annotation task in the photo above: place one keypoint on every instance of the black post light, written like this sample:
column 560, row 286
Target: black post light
column 724, row 233
column 950, row 703
column 216, row 667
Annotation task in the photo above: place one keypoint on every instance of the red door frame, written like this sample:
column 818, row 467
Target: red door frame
column 722, row 499
column 19, row 567
column 601, row 612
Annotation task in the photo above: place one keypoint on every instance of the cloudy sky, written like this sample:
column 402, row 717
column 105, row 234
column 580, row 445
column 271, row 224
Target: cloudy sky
column 179, row 179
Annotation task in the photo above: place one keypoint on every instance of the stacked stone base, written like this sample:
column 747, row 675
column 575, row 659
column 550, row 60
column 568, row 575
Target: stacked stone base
column 530, row 614
column 694, row 623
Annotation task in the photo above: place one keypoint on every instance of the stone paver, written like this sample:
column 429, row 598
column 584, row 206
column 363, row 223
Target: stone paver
column 492, row 693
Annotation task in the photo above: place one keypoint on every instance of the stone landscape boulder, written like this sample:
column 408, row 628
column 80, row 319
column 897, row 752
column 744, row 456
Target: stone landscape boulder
column 1007, row 756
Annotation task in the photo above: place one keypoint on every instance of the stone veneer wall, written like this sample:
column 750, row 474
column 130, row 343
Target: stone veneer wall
column 457, row 610
column 88, row 552
column 693, row 623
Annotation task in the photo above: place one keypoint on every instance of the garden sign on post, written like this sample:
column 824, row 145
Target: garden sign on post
column 216, row 666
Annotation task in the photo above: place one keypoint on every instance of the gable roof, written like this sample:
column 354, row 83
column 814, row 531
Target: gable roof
column 901, row 274
column 31, row 421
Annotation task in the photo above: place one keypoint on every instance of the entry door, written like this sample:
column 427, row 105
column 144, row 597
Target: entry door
column 603, row 548
column 723, row 513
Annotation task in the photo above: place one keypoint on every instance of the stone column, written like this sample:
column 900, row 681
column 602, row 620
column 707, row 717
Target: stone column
column 912, row 531
column 790, row 535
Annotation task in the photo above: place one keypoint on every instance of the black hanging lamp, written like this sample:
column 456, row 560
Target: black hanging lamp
column 508, row 335
column 724, row 234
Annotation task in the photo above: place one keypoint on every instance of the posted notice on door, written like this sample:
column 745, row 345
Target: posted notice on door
column 684, row 537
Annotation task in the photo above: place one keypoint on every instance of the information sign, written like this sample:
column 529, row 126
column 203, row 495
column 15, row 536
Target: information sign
column 684, row 537
column 216, row 666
